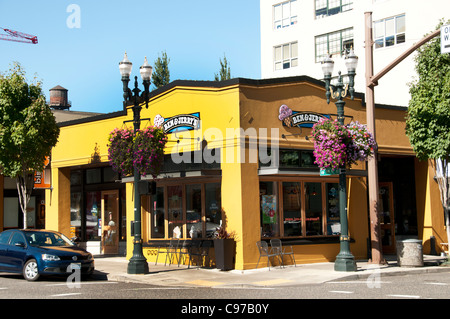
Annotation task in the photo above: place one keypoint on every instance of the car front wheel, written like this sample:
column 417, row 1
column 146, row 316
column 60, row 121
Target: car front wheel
column 30, row 270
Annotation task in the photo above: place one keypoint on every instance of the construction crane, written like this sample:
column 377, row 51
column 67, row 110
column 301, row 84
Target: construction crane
column 18, row 36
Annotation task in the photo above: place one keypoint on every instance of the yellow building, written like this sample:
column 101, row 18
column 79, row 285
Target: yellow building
column 222, row 167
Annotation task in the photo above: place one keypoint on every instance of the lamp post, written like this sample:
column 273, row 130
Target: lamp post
column 344, row 260
column 138, row 263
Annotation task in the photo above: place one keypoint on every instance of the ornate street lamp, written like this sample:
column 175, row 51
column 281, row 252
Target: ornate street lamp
column 138, row 263
column 344, row 260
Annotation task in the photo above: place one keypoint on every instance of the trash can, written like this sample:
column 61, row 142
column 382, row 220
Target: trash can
column 410, row 253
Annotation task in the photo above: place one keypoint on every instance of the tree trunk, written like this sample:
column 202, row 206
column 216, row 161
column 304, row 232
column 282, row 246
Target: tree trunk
column 447, row 222
column 25, row 184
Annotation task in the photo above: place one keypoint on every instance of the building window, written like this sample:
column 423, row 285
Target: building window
column 334, row 44
column 292, row 209
column 194, row 210
column 285, row 14
column 88, row 189
column 313, row 209
column 325, row 8
column 175, row 196
column 332, row 202
column 268, row 192
column 295, row 208
column 189, row 210
column 213, row 208
column 157, row 221
column 389, row 32
column 286, row 56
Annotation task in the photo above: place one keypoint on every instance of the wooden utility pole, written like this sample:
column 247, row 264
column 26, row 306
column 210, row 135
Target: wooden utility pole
column 372, row 165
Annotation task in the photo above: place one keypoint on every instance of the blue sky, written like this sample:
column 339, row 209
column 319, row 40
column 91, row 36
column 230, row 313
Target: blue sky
column 85, row 59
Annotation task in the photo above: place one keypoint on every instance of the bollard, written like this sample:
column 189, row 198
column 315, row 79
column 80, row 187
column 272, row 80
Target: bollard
column 410, row 253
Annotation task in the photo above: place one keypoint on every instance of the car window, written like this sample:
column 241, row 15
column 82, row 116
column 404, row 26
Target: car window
column 4, row 237
column 17, row 238
column 46, row 239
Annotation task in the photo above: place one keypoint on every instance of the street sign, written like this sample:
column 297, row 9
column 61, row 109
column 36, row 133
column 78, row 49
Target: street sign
column 445, row 39
column 329, row 171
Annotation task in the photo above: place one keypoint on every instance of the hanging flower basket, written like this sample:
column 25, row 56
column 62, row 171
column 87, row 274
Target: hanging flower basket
column 149, row 152
column 337, row 145
column 120, row 151
column 363, row 144
column 330, row 142
column 145, row 150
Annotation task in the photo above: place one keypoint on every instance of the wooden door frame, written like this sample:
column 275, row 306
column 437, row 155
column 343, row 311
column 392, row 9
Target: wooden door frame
column 391, row 226
column 115, row 248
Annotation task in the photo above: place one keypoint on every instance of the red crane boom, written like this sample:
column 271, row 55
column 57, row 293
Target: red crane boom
column 18, row 36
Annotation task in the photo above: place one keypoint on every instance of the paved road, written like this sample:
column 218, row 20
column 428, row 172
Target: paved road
column 413, row 286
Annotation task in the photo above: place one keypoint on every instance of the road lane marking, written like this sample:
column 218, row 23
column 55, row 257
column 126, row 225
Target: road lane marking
column 85, row 283
column 341, row 292
column 404, row 296
column 358, row 282
column 66, row 295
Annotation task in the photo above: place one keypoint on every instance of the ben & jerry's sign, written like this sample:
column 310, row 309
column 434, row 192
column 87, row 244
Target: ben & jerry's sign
column 182, row 122
column 300, row 119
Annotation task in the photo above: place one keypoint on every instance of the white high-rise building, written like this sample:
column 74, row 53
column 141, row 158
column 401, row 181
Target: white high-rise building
column 296, row 35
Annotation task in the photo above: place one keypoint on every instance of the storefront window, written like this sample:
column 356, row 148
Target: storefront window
column 93, row 176
column 75, row 214
column 213, row 208
column 175, row 196
column 269, row 209
column 289, row 158
column 158, row 214
column 292, row 220
column 333, row 217
column 93, row 213
column 194, row 210
column 313, row 209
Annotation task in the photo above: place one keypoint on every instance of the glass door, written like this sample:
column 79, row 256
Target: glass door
column 110, row 222
column 387, row 221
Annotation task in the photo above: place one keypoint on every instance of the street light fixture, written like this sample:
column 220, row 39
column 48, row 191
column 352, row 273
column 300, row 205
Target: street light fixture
column 138, row 263
column 344, row 260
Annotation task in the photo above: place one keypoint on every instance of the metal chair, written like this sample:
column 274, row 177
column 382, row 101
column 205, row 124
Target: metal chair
column 172, row 250
column 194, row 250
column 184, row 251
column 278, row 248
column 160, row 246
column 264, row 251
column 200, row 249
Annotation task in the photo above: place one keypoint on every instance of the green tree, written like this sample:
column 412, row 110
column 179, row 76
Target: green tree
column 428, row 118
column 161, row 73
column 224, row 72
column 28, row 131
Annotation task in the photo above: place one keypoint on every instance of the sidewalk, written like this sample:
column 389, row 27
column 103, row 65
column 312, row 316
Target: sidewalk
column 115, row 269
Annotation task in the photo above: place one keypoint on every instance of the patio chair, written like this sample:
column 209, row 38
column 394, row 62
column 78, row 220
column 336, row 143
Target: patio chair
column 160, row 247
column 194, row 250
column 184, row 251
column 172, row 250
column 265, row 251
column 278, row 248
column 200, row 249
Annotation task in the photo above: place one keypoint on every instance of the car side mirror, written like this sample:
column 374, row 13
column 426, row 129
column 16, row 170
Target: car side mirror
column 20, row 244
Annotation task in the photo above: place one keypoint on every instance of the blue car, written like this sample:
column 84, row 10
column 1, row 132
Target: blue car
column 42, row 252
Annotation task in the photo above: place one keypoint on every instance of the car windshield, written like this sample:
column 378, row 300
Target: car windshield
column 47, row 239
